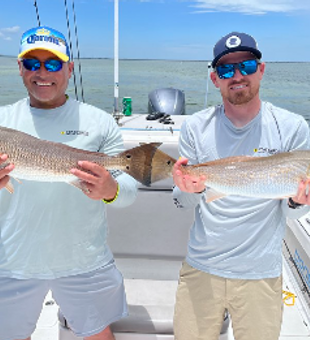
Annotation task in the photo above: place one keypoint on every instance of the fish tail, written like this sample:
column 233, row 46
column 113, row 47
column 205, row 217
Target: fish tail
column 162, row 165
column 138, row 162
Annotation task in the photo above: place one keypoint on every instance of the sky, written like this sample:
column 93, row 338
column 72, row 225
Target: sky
column 164, row 29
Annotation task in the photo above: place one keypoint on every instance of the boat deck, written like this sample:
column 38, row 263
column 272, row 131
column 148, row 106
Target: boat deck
column 296, row 318
column 141, row 254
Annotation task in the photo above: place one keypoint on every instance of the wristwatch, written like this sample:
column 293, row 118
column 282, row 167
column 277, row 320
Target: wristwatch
column 292, row 204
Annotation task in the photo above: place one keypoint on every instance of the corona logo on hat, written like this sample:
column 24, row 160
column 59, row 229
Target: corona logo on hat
column 235, row 42
column 44, row 38
column 43, row 31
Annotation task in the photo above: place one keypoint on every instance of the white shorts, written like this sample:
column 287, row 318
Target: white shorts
column 89, row 302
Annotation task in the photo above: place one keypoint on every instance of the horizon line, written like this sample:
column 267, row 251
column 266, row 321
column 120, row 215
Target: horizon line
column 162, row 59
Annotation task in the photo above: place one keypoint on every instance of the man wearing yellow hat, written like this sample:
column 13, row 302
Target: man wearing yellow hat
column 53, row 236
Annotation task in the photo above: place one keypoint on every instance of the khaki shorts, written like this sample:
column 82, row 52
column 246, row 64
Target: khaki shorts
column 255, row 306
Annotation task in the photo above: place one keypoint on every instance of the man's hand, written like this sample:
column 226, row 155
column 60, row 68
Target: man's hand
column 303, row 194
column 187, row 183
column 4, row 173
column 99, row 184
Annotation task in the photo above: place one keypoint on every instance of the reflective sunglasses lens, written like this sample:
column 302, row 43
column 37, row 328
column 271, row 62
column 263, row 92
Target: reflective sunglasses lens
column 31, row 64
column 225, row 71
column 248, row 67
column 53, row 65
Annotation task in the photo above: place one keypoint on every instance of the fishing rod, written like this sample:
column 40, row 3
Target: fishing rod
column 71, row 49
column 78, row 51
column 37, row 12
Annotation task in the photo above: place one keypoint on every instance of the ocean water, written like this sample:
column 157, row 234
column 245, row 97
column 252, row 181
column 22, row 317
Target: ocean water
column 284, row 84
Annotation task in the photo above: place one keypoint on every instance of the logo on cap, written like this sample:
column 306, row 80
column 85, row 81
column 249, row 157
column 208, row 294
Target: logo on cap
column 44, row 38
column 233, row 41
column 46, row 35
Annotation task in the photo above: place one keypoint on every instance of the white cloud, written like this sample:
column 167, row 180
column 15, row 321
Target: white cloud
column 256, row 7
column 5, row 33
column 14, row 29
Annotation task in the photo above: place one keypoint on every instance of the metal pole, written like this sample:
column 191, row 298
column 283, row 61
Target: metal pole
column 116, row 57
column 207, row 85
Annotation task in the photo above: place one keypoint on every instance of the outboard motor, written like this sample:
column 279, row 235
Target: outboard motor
column 167, row 101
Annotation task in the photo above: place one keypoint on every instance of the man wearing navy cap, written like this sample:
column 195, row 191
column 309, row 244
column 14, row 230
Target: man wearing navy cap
column 234, row 259
column 53, row 236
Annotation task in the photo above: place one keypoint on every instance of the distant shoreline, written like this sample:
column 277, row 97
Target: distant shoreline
column 172, row 60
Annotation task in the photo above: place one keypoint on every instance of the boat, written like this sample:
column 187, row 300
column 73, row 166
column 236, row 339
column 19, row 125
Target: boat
column 149, row 240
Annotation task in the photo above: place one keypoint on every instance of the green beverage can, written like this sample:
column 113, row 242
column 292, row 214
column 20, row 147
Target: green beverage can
column 127, row 108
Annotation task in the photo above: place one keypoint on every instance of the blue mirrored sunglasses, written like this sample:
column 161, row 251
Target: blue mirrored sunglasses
column 246, row 68
column 51, row 65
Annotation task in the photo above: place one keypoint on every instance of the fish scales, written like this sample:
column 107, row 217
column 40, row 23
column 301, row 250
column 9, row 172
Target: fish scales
column 42, row 160
column 274, row 176
column 35, row 158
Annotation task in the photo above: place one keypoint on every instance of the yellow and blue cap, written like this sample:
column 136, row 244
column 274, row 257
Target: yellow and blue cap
column 44, row 38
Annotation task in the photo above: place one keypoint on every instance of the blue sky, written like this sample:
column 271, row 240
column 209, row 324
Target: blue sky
column 166, row 29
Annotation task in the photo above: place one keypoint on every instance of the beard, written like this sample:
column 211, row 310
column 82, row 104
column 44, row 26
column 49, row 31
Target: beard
column 242, row 97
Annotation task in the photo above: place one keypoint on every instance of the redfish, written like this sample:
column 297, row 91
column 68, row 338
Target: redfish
column 40, row 160
column 273, row 177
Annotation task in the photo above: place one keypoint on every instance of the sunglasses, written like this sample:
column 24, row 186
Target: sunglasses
column 246, row 68
column 51, row 65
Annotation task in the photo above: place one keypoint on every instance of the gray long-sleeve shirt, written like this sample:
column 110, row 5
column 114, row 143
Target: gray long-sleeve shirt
column 50, row 230
column 239, row 237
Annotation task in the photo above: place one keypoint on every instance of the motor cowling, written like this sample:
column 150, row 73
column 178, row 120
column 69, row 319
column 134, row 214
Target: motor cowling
column 168, row 101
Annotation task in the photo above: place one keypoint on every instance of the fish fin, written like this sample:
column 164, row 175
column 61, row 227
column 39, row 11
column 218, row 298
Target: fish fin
column 140, row 162
column 16, row 179
column 9, row 187
column 162, row 165
column 77, row 183
column 213, row 195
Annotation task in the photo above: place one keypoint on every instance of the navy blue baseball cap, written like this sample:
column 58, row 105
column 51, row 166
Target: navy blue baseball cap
column 235, row 42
